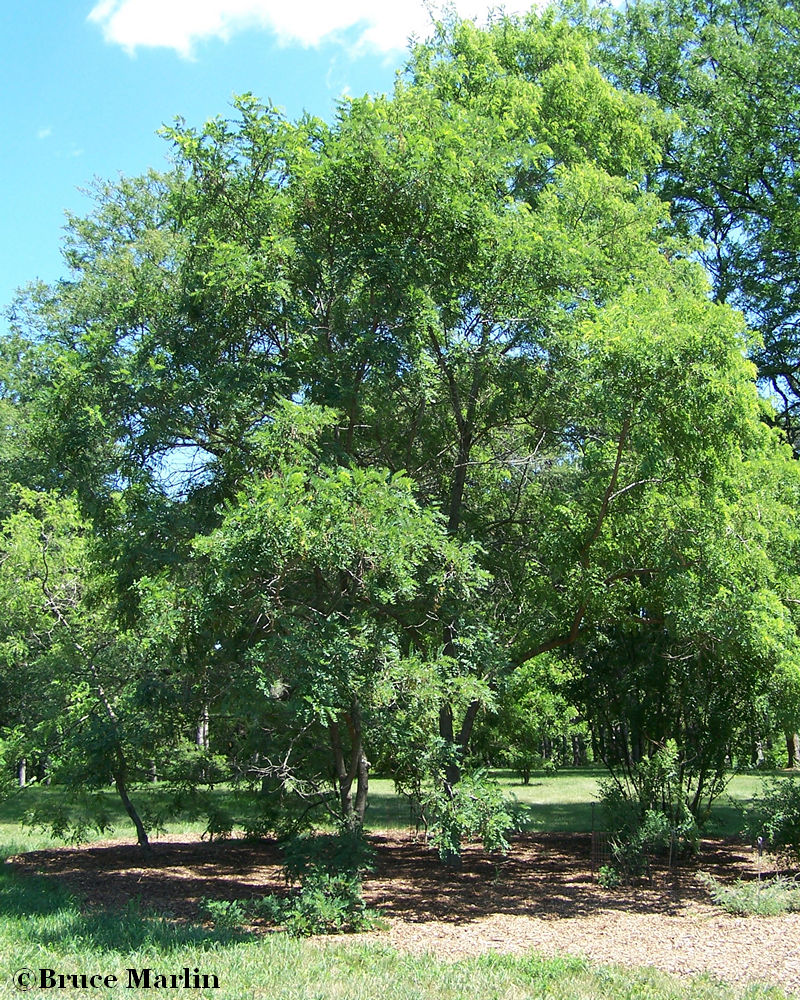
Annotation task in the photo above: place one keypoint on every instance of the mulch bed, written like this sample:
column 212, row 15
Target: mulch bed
column 544, row 895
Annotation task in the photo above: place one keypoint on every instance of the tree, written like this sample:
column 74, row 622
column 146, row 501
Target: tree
column 326, row 588
column 728, row 71
column 88, row 704
column 443, row 271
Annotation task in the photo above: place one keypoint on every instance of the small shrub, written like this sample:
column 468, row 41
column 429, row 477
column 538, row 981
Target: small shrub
column 323, row 904
column 327, row 871
column 475, row 807
column 523, row 762
column 754, row 897
column 648, row 815
column 775, row 815
column 332, row 853
column 608, row 877
column 226, row 914
column 219, row 824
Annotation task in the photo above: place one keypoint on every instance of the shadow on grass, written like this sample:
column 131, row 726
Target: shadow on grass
column 47, row 914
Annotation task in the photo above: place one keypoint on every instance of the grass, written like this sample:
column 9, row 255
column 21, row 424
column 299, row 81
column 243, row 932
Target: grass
column 562, row 802
column 567, row 801
column 42, row 926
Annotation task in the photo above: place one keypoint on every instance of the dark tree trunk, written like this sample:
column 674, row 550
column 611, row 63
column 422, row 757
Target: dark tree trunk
column 121, row 785
column 355, row 770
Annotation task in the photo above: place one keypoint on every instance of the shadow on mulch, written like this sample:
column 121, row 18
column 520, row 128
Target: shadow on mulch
column 545, row 875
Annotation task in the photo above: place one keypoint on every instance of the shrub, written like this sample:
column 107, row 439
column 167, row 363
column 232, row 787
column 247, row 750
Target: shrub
column 475, row 807
column 608, row 877
column 324, row 903
column 775, row 816
column 754, row 897
column 648, row 814
column 328, row 853
column 326, row 870
column 227, row 914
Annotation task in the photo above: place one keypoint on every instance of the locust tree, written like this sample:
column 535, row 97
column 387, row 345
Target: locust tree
column 473, row 277
column 728, row 72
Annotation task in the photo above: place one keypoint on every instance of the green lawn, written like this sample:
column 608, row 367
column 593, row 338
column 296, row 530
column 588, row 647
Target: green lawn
column 567, row 801
column 41, row 926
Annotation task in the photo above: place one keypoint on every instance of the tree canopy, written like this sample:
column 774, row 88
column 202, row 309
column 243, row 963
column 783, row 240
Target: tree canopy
column 367, row 415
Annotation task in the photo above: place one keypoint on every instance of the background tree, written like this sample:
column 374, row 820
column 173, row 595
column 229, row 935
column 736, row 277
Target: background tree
column 728, row 71
column 91, row 706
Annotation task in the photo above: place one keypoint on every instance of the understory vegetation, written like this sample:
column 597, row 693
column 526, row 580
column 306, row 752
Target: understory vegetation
column 768, row 897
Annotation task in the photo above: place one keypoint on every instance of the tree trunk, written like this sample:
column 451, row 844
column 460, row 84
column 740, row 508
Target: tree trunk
column 792, row 750
column 356, row 769
column 120, row 783
column 452, row 771
column 22, row 774
column 202, row 729
column 362, row 787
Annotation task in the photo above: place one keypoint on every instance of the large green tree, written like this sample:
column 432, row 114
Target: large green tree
column 471, row 275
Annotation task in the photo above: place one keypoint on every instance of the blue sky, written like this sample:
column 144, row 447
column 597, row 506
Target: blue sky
column 87, row 83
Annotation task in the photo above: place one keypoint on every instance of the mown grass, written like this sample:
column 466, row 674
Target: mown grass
column 566, row 801
column 42, row 926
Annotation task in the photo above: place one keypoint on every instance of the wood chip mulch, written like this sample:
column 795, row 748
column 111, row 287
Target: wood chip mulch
column 544, row 896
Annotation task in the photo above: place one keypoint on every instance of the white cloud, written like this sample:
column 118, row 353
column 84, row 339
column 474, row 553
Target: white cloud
column 44, row 133
column 382, row 25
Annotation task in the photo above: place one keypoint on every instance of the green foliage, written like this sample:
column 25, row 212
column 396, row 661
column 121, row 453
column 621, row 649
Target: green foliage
column 346, row 851
column 327, row 870
column 648, row 813
column 475, row 808
column 608, row 877
column 433, row 282
column 532, row 711
column 226, row 914
column 74, row 818
column 324, row 903
column 775, row 816
column 754, row 897
column 728, row 74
